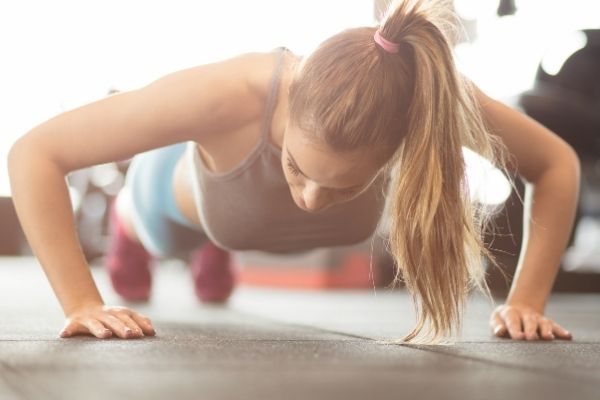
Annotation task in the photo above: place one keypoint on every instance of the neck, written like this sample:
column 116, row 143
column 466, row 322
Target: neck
column 279, row 122
column 281, row 112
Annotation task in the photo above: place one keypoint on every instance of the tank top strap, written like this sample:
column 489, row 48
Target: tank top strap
column 271, row 101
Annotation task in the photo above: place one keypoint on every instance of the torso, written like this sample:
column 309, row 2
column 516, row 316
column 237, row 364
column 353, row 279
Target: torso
column 230, row 148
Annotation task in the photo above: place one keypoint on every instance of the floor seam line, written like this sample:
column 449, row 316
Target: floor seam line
column 496, row 363
column 460, row 356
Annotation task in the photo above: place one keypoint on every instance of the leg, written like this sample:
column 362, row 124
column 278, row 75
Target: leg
column 152, row 211
column 145, row 223
column 127, row 261
column 151, row 215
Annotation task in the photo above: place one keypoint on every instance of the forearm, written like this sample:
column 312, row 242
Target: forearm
column 549, row 213
column 42, row 203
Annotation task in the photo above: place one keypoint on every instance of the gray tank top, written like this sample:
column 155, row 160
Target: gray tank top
column 250, row 206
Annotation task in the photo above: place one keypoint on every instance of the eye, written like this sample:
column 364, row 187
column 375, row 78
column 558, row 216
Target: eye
column 292, row 169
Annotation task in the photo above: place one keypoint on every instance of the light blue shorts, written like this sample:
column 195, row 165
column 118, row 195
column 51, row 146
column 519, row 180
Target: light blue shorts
column 161, row 227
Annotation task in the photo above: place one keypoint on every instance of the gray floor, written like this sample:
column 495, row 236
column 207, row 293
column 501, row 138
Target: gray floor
column 282, row 344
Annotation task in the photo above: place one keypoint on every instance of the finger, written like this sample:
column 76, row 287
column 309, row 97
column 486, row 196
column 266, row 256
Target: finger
column 73, row 328
column 144, row 323
column 513, row 324
column 137, row 331
column 68, row 330
column 126, row 315
column 116, row 325
column 96, row 328
column 560, row 332
column 545, row 329
column 530, row 325
column 497, row 325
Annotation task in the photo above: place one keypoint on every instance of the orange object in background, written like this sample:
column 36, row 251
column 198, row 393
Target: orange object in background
column 354, row 272
column 349, row 267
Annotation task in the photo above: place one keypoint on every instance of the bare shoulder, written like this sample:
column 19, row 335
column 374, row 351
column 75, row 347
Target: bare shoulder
column 240, row 85
column 201, row 103
column 261, row 66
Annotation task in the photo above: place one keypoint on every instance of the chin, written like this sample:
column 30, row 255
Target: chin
column 304, row 209
column 312, row 211
column 300, row 206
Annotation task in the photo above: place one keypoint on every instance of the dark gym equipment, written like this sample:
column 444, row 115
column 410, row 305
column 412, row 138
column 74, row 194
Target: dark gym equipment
column 568, row 103
column 11, row 235
column 506, row 7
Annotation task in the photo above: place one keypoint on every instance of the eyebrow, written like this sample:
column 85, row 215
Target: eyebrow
column 291, row 158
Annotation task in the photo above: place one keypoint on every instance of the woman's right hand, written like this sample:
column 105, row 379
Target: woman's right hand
column 101, row 321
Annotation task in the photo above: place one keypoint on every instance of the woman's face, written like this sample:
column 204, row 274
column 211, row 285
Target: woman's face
column 320, row 178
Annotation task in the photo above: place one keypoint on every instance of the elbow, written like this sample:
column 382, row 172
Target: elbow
column 14, row 154
column 22, row 156
column 562, row 165
column 14, row 160
column 25, row 152
column 567, row 169
column 572, row 160
column 19, row 151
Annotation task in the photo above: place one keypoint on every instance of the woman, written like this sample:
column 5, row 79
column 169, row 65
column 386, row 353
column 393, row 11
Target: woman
column 371, row 110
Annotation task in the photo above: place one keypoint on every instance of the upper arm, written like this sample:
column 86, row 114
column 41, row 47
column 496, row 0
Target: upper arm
column 533, row 147
column 189, row 104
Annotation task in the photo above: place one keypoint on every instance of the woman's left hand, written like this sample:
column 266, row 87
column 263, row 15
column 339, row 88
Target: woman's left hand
column 521, row 321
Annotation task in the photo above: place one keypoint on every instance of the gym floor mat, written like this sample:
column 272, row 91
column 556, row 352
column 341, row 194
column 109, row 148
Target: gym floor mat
column 282, row 344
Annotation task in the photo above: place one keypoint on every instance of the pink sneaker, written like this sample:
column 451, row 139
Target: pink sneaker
column 213, row 273
column 127, row 263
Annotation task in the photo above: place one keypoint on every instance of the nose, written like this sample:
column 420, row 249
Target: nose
column 314, row 199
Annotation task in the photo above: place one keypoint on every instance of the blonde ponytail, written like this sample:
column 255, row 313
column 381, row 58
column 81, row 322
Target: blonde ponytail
column 418, row 112
column 436, row 231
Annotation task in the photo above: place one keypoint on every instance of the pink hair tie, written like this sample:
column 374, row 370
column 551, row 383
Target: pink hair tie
column 388, row 46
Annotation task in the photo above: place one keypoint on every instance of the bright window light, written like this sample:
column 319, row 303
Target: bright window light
column 557, row 55
column 487, row 184
column 504, row 57
column 61, row 54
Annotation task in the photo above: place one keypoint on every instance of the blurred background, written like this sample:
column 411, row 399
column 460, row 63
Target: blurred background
column 540, row 56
